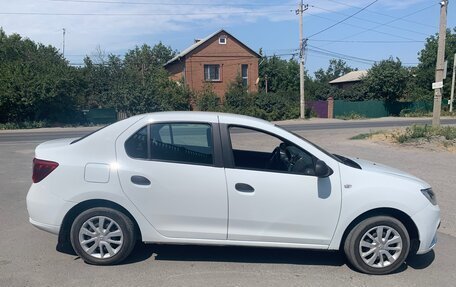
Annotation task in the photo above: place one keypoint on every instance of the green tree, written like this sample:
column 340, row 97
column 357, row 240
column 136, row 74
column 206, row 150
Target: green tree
column 136, row 84
column 36, row 83
column 236, row 97
column 319, row 87
column 387, row 80
column 336, row 69
column 208, row 100
column 281, row 75
column 425, row 72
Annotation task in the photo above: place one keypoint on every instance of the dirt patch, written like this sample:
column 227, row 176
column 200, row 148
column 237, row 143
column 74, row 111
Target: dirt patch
column 431, row 143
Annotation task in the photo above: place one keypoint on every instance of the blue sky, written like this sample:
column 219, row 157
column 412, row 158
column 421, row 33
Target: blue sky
column 386, row 28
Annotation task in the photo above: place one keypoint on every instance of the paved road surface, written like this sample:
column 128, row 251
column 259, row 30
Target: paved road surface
column 40, row 136
column 28, row 256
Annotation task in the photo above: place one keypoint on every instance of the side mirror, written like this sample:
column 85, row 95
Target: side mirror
column 322, row 170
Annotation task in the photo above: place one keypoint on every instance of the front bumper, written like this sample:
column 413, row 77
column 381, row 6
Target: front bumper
column 427, row 221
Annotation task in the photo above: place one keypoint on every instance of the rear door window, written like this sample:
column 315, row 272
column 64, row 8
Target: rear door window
column 176, row 142
column 182, row 142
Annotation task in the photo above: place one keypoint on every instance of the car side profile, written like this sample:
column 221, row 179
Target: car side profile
column 224, row 179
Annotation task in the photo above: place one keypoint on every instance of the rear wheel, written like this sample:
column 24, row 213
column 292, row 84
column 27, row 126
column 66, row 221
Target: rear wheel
column 102, row 236
column 377, row 245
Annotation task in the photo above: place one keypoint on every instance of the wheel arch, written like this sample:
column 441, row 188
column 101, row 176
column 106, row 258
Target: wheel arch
column 404, row 218
column 64, row 244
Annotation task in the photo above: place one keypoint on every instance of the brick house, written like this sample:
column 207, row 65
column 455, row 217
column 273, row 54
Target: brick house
column 216, row 59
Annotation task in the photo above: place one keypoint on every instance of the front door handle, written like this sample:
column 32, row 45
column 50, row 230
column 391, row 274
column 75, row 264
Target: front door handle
column 244, row 187
column 140, row 180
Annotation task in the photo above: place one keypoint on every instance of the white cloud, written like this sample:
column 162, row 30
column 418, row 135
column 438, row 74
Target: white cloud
column 117, row 33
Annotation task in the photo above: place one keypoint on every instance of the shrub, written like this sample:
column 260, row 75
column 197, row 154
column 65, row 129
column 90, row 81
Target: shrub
column 207, row 100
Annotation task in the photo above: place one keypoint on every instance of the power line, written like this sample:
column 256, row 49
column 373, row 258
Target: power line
column 356, row 26
column 367, row 41
column 389, row 22
column 340, row 55
column 171, row 4
column 382, row 14
column 137, row 14
column 371, row 21
column 343, row 20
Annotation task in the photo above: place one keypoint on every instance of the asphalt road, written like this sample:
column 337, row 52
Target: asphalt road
column 28, row 256
column 36, row 136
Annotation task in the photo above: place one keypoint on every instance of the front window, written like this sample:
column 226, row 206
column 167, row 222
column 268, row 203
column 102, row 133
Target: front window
column 253, row 149
column 212, row 73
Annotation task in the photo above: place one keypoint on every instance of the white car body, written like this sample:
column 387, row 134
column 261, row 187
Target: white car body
column 198, row 204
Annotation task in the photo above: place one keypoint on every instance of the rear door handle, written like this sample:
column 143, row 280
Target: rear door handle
column 244, row 187
column 140, row 180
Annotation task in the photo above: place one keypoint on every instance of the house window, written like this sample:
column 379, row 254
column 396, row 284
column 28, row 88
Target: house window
column 222, row 40
column 245, row 74
column 211, row 73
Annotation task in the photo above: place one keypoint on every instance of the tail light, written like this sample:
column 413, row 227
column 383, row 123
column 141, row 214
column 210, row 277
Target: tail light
column 42, row 168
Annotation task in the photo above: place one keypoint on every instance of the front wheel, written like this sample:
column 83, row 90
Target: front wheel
column 103, row 236
column 377, row 245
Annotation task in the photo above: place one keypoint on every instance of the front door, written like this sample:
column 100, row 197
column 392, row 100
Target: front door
column 273, row 194
column 170, row 172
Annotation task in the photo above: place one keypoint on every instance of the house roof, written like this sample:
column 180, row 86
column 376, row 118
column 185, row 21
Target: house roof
column 354, row 76
column 185, row 52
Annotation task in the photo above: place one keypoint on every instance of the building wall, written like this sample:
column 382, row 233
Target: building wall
column 345, row 85
column 229, row 56
column 176, row 70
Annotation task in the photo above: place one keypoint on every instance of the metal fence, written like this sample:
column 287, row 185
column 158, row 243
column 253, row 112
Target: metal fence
column 100, row 116
column 377, row 109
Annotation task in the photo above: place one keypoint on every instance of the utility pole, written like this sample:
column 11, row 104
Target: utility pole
column 302, row 47
column 452, row 84
column 63, row 43
column 439, row 68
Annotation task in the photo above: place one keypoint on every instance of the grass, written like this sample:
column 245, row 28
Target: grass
column 23, row 125
column 423, row 114
column 445, row 134
column 41, row 124
column 418, row 135
column 351, row 116
column 364, row 136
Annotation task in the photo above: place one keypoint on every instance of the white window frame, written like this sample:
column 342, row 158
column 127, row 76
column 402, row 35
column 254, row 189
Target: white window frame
column 208, row 73
column 246, row 77
column 224, row 38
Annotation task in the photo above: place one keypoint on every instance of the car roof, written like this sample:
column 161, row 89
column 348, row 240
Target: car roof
column 203, row 116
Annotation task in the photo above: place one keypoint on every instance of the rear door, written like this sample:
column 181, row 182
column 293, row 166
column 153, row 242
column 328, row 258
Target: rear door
column 172, row 171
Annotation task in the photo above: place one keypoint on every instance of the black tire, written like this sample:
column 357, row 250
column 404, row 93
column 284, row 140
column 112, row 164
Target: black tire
column 354, row 238
column 121, row 221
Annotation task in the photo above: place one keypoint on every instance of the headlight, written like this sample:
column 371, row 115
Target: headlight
column 430, row 195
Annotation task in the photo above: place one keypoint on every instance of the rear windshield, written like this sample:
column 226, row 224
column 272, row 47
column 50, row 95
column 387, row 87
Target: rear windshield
column 87, row 135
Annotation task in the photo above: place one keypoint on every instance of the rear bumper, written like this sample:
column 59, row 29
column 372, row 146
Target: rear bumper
column 427, row 222
column 54, row 229
column 46, row 210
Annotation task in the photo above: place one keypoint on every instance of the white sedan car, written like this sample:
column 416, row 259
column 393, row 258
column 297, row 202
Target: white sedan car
column 223, row 179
